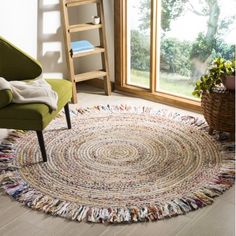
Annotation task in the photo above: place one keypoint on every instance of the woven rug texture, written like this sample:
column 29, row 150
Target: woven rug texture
column 118, row 164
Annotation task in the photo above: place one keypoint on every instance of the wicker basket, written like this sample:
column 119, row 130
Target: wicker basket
column 219, row 110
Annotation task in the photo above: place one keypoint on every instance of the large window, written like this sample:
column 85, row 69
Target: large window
column 168, row 44
column 138, row 38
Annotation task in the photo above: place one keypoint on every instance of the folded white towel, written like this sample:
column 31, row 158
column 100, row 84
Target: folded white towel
column 34, row 91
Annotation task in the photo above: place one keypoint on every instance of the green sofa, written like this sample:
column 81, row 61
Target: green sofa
column 17, row 65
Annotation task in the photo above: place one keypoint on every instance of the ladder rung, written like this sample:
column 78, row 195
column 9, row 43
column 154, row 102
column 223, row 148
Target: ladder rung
column 90, row 75
column 83, row 27
column 73, row 3
column 83, row 54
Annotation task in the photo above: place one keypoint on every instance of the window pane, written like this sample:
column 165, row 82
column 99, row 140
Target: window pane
column 191, row 34
column 138, row 41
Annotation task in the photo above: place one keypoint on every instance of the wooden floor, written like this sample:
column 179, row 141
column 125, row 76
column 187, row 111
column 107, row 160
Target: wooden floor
column 215, row 220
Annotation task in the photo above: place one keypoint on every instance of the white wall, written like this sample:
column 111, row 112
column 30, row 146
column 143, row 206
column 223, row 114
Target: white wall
column 18, row 23
column 35, row 27
column 50, row 49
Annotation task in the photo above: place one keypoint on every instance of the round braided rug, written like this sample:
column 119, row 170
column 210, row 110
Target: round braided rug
column 118, row 164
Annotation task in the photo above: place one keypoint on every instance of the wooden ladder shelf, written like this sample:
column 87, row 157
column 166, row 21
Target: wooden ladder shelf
column 102, row 49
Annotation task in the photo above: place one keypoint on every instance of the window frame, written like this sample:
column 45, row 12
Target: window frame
column 121, row 57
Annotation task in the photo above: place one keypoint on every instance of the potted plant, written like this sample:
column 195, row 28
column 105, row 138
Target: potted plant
column 220, row 71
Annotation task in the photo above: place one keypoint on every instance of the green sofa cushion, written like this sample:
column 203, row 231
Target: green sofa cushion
column 5, row 97
column 35, row 116
column 16, row 64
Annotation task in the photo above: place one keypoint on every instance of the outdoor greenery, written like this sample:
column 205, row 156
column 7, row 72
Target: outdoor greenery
column 140, row 52
column 176, row 56
column 181, row 57
column 183, row 86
